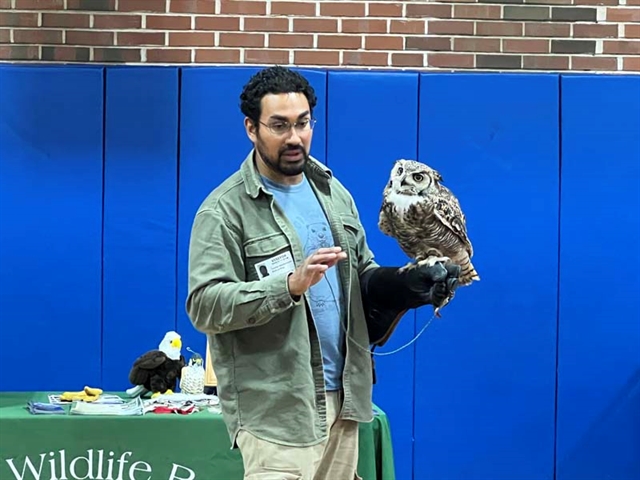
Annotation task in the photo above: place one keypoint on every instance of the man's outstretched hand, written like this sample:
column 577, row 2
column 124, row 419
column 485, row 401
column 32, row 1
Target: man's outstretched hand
column 313, row 269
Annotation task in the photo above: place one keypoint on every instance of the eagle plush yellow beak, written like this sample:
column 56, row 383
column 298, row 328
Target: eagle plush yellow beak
column 176, row 343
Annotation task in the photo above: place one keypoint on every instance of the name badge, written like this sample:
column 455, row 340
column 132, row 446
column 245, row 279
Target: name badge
column 282, row 263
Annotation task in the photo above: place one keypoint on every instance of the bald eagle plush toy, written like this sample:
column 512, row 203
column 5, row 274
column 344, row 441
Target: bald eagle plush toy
column 158, row 370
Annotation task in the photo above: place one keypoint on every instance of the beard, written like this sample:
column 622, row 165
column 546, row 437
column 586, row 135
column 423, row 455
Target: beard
column 281, row 164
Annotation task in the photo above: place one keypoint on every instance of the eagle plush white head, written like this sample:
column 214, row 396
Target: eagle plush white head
column 171, row 345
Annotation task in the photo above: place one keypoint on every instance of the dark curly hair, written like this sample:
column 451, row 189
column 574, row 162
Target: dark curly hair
column 273, row 80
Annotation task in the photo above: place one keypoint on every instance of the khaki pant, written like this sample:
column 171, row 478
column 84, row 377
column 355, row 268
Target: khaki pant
column 334, row 459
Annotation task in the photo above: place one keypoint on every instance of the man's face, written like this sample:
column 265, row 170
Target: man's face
column 284, row 151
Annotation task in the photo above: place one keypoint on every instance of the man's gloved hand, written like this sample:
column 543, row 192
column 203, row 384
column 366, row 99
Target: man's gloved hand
column 428, row 285
column 388, row 292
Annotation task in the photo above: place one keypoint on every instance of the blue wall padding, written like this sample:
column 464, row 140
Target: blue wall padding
column 140, row 198
column 213, row 144
column 532, row 374
column 485, row 372
column 372, row 120
column 50, row 227
column 599, row 335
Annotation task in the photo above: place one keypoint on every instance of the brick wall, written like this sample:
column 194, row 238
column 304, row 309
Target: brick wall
column 579, row 35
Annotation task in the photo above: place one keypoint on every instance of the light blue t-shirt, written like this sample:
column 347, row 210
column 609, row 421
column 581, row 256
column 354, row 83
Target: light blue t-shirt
column 303, row 210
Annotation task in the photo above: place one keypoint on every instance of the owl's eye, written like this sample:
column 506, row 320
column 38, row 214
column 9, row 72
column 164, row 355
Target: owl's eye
column 400, row 170
column 418, row 177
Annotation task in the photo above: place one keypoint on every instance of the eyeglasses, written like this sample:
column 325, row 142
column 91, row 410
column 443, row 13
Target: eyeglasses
column 283, row 127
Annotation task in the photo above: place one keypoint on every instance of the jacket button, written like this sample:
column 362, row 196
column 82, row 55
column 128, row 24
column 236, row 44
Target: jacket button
column 251, row 320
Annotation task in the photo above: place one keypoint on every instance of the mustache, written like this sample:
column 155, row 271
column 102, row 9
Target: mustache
column 293, row 149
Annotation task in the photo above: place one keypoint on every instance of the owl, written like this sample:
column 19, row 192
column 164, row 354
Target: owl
column 426, row 220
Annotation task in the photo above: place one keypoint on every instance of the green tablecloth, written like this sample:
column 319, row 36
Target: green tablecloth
column 149, row 447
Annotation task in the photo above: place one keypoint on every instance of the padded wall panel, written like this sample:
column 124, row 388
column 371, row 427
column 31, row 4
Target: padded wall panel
column 141, row 152
column 213, row 144
column 51, row 227
column 485, row 373
column 372, row 120
column 599, row 338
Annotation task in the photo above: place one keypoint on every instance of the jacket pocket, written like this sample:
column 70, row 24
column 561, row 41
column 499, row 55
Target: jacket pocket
column 267, row 255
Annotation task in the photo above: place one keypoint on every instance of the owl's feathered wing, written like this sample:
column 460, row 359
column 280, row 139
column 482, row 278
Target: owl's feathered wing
column 447, row 209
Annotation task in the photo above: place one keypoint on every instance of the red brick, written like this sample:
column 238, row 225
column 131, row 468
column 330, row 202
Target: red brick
column 315, row 25
column 5, row 4
column 165, row 55
column 88, row 37
column 192, row 39
column 428, row 10
column 450, row 28
column 242, row 40
column 632, row 31
column 338, row 42
column 596, row 2
column 117, row 55
column 218, row 55
column 451, row 60
column 545, row 62
column 39, row 4
column 266, row 24
column 407, row 26
column 383, row 42
column 342, row 9
column 140, row 38
column 368, row 59
column 19, row 52
column 243, row 7
column 14, row 19
column 407, row 59
column 92, row 5
column 534, row 29
column 364, row 26
column 164, row 22
column 75, row 20
column 477, row 11
column 308, row 57
column 383, row 9
column 476, row 44
column 525, row 45
column 594, row 63
column 5, row 34
column 113, row 22
column 622, row 14
column 628, row 47
column 39, row 36
column 193, row 6
column 631, row 64
column 307, row 9
column 65, row 54
column 428, row 43
column 229, row 24
column 290, row 40
column 582, row 30
column 499, row 29
column 159, row 6
column 266, row 56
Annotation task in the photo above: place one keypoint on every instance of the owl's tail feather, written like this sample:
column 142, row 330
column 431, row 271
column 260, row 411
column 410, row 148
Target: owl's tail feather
column 468, row 273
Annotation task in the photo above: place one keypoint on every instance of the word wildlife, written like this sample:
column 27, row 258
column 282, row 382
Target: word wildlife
column 96, row 465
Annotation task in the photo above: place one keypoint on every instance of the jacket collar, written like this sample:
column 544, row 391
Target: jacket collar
column 314, row 169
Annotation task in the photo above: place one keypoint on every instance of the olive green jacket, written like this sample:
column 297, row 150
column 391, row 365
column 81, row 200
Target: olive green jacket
column 263, row 343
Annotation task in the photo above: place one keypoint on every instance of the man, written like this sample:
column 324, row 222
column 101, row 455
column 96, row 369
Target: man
column 284, row 285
